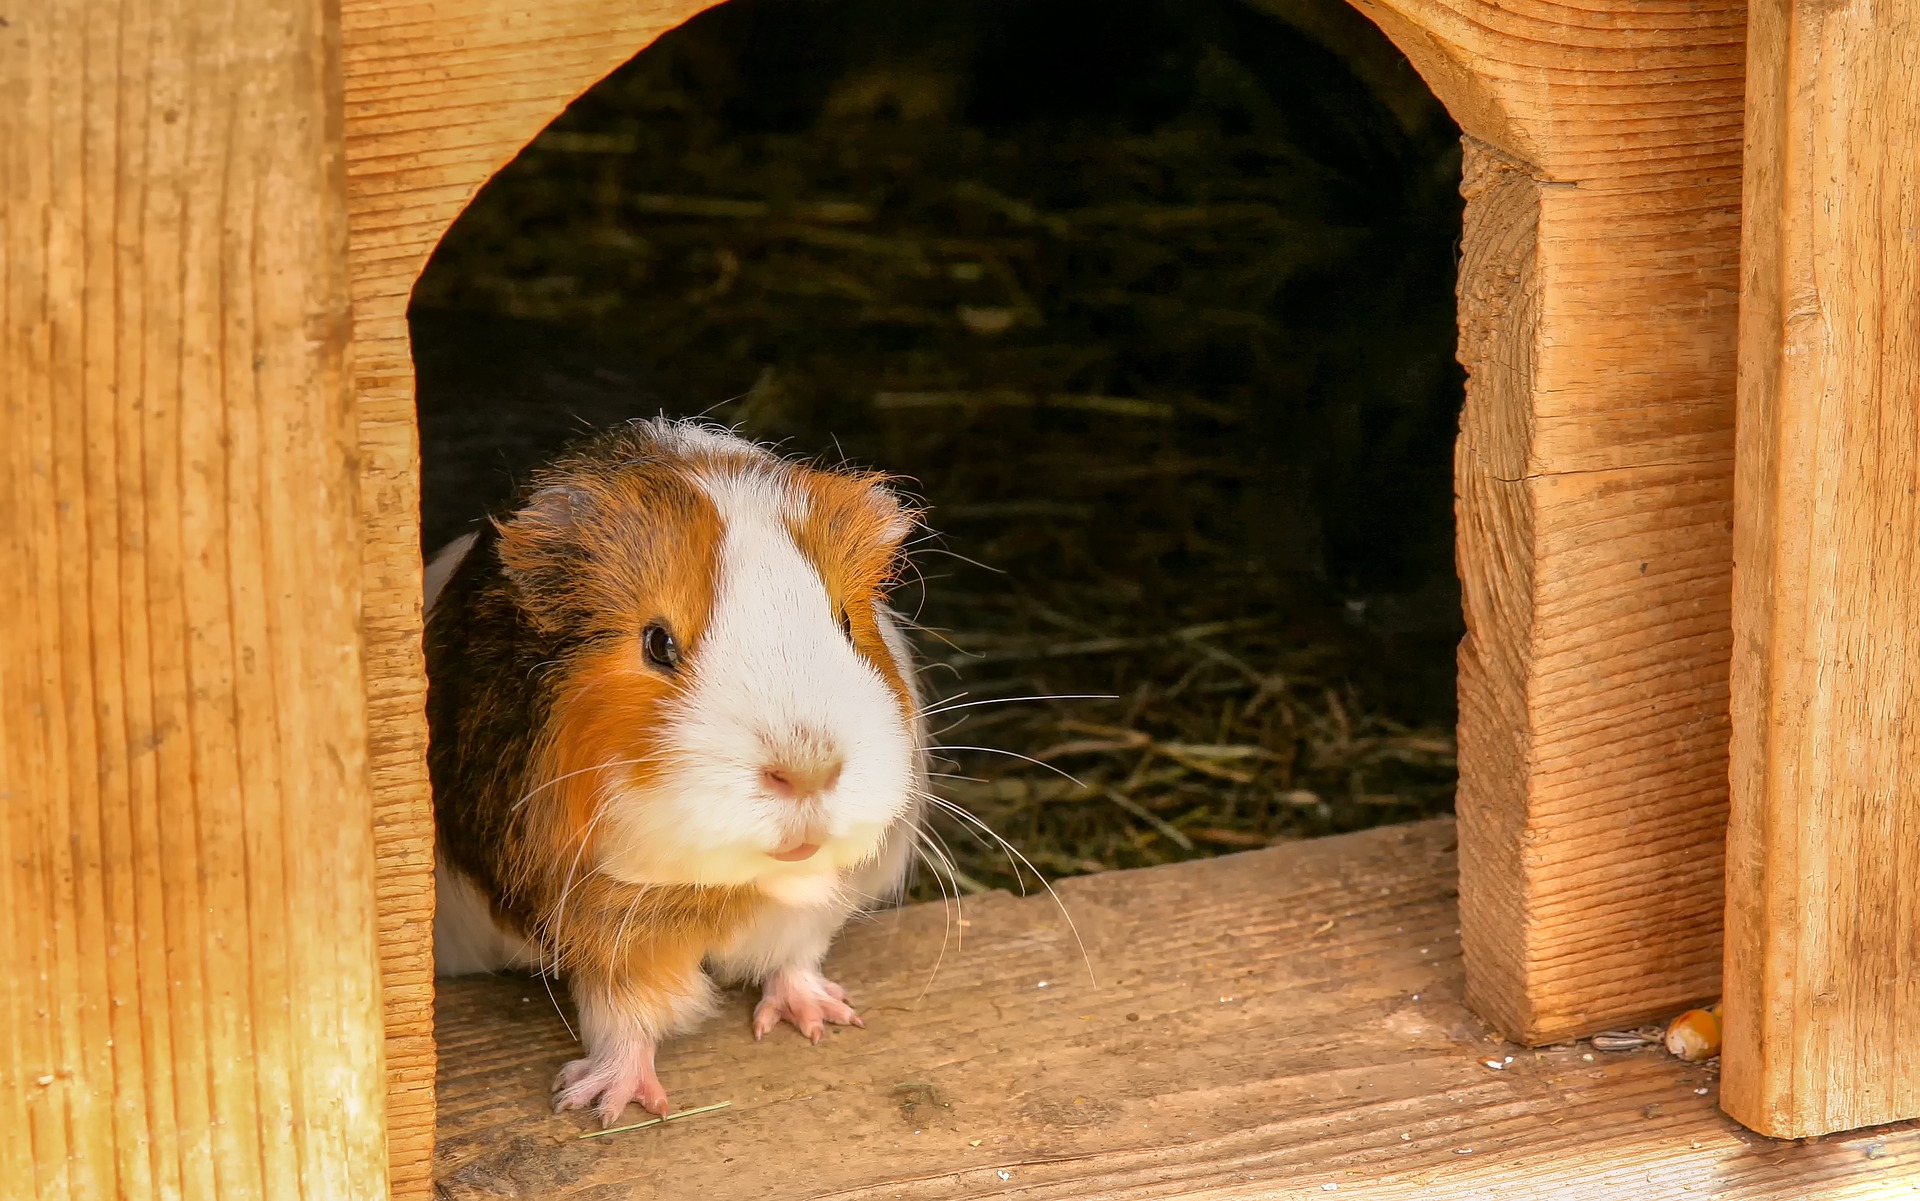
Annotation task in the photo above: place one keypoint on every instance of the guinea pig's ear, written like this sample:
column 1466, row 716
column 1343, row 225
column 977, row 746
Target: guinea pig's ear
column 542, row 552
column 896, row 520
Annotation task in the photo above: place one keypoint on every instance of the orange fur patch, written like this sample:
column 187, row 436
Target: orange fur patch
column 851, row 533
column 657, row 563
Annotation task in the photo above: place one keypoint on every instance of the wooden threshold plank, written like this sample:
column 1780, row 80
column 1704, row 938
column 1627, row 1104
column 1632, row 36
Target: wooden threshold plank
column 1264, row 1025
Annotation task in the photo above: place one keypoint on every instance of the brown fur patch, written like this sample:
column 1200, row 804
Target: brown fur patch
column 539, row 680
column 610, row 553
column 597, row 552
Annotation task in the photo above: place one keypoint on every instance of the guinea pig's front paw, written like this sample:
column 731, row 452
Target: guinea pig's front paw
column 610, row 1078
column 805, row 998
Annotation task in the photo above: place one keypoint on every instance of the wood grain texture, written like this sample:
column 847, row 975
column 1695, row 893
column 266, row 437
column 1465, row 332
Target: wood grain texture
column 1823, row 919
column 189, row 1006
column 440, row 94
column 1264, row 1025
column 1594, row 494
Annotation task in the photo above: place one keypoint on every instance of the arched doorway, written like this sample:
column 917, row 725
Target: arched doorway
column 1598, row 287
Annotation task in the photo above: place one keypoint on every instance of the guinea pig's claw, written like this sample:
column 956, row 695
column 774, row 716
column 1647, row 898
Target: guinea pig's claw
column 807, row 1000
column 608, row 1081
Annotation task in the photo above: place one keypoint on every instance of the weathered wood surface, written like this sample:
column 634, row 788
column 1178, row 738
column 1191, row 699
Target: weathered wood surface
column 189, row 1006
column 1823, row 966
column 1264, row 1025
column 439, row 95
column 1594, row 480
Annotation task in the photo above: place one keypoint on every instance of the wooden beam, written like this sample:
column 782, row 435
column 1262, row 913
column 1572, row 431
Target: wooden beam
column 439, row 95
column 190, row 1006
column 1266, row 1025
column 1594, row 483
column 1823, row 913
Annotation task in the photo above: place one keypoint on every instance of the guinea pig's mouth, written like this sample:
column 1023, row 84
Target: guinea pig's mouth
column 799, row 852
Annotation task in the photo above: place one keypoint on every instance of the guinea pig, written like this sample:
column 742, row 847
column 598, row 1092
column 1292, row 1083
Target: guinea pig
column 676, row 737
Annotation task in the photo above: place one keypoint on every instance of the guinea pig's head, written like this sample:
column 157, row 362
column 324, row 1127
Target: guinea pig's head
column 730, row 702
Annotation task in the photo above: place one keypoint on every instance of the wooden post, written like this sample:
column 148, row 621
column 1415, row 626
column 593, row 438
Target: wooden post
column 1594, row 481
column 1823, row 906
column 439, row 94
column 189, row 1005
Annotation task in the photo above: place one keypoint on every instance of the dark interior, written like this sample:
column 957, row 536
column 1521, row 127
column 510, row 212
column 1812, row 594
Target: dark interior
column 1149, row 301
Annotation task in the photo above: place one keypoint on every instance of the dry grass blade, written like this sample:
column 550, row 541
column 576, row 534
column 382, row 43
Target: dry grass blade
column 672, row 1117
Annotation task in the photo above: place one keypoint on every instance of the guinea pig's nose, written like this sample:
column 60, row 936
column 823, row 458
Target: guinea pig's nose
column 797, row 781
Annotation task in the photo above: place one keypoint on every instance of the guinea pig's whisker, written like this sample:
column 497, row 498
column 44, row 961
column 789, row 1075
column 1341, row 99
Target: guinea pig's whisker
column 941, row 708
column 639, row 898
column 991, row 750
column 943, row 731
column 948, row 706
column 564, row 776
column 919, row 610
column 941, row 550
column 546, row 981
column 943, row 858
column 971, row 826
column 946, row 928
column 867, row 913
column 937, row 856
column 964, row 815
column 913, row 623
column 927, row 669
column 939, row 846
column 933, row 856
column 566, row 887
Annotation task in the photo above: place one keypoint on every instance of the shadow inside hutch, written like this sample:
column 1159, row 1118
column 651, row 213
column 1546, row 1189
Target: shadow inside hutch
column 1150, row 301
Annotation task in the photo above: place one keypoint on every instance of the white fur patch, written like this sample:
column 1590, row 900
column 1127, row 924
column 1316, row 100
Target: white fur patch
column 466, row 940
column 441, row 567
column 773, row 676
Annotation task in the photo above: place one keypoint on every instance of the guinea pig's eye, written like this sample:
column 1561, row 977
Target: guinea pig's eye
column 661, row 649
